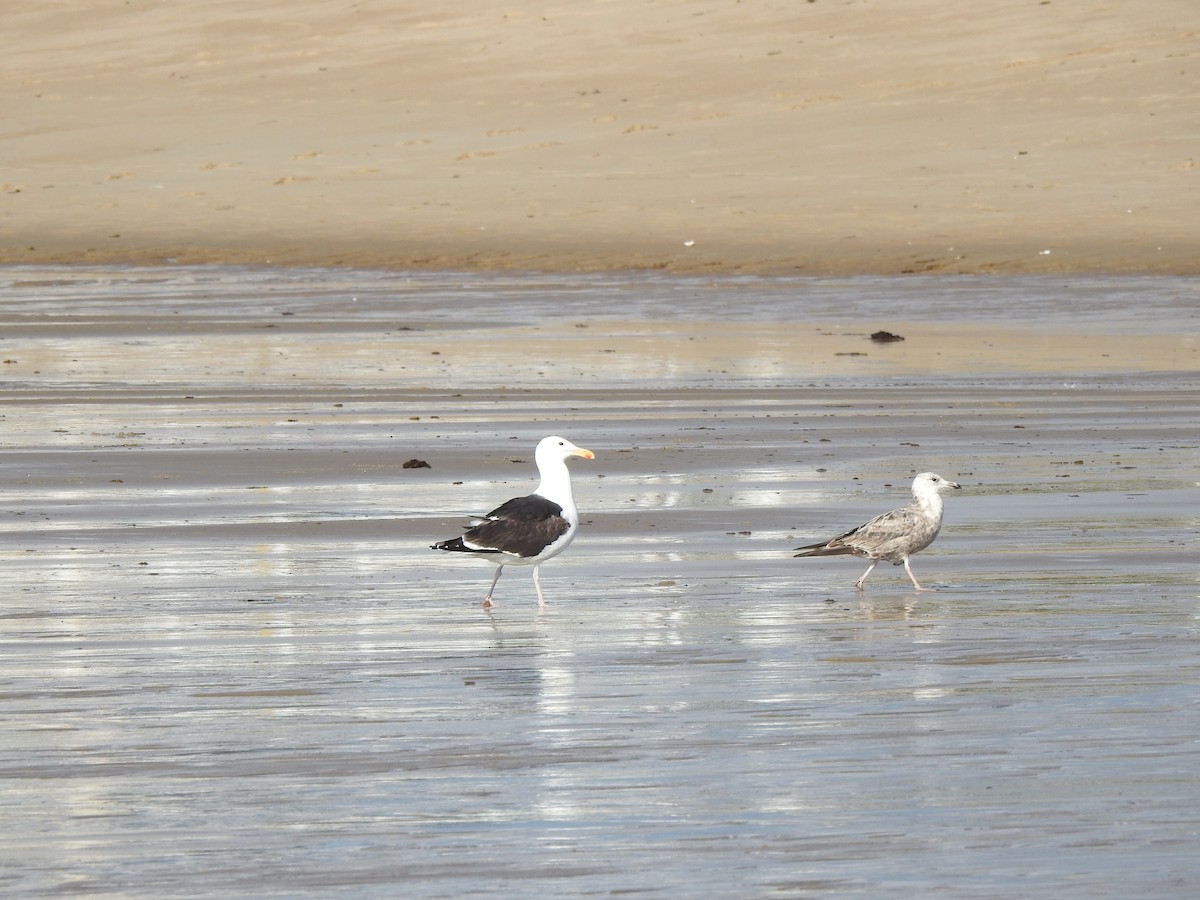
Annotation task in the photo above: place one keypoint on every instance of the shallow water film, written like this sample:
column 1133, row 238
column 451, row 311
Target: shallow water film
column 230, row 665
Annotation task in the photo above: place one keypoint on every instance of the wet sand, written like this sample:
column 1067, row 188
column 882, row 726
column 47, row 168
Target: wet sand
column 230, row 666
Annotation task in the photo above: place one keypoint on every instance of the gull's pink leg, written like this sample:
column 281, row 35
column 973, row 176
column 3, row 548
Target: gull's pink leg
column 537, row 583
column 916, row 584
column 859, row 584
column 487, row 601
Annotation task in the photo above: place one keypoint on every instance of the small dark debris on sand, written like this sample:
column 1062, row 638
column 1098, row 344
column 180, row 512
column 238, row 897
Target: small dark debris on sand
column 417, row 464
column 885, row 337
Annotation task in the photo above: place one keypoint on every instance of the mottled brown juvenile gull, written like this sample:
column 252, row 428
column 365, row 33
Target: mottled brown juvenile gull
column 527, row 531
column 895, row 535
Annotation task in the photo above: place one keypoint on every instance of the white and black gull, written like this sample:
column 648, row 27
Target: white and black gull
column 527, row 531
column 896, row 535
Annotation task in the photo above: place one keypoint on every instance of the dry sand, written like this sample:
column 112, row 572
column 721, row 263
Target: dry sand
column 813, row 137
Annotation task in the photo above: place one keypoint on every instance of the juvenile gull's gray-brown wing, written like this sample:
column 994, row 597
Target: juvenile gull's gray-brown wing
column 891, row 536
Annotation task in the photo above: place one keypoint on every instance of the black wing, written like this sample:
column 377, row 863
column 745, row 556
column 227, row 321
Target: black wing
column 531, row 508
column 524, row 526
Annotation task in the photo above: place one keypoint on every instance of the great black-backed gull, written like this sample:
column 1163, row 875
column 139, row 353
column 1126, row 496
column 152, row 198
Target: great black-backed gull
column 895, row 535
column 527, row 531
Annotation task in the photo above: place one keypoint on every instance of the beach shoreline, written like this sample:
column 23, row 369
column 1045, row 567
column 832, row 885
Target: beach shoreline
column 466, row 257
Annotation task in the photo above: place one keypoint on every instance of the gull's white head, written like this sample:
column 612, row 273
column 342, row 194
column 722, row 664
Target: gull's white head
column 931, row 483
column 559, row 449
